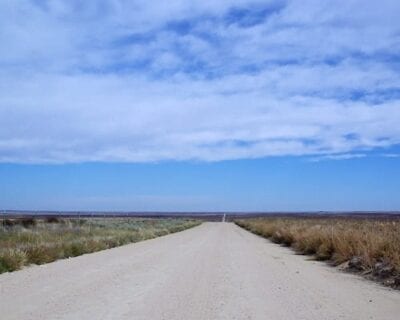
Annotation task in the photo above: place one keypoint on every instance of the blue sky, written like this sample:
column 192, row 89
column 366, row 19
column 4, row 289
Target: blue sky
column 200, row 105
column 278, row 183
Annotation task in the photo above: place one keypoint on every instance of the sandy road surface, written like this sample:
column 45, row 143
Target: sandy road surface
column 214, row 271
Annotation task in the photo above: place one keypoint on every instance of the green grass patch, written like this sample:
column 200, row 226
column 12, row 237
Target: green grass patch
column 38, row 241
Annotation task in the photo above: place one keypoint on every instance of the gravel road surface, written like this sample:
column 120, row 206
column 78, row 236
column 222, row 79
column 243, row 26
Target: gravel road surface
column 214, row 271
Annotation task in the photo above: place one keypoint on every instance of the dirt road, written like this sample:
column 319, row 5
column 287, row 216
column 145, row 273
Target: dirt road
column 214, row 271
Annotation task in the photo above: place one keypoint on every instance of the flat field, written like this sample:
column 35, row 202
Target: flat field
column 37, row 241
column 214, row 271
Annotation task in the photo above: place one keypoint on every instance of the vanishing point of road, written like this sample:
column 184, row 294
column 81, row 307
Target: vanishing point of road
column 214, row 271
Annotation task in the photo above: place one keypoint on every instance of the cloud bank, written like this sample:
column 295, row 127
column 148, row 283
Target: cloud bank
column 138, row 81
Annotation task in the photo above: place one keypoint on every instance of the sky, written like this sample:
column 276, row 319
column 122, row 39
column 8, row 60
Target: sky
column 200, row 105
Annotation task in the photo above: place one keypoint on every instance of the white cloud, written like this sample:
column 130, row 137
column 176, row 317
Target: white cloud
column 345, row 156
column 391, row 155
column 113, row 81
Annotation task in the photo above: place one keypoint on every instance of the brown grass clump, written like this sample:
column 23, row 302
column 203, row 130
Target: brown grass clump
column 38, row 241
column 371, row 246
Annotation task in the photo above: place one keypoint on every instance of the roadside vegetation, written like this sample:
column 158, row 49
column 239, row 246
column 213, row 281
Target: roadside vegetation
column 369, row 246
column 37, row 241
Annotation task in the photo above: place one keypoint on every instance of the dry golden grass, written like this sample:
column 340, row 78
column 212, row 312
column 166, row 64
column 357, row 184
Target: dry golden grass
column 371, row 245
column 39, row 241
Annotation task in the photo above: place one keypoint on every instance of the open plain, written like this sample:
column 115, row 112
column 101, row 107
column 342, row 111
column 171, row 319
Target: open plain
column 213, row 271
